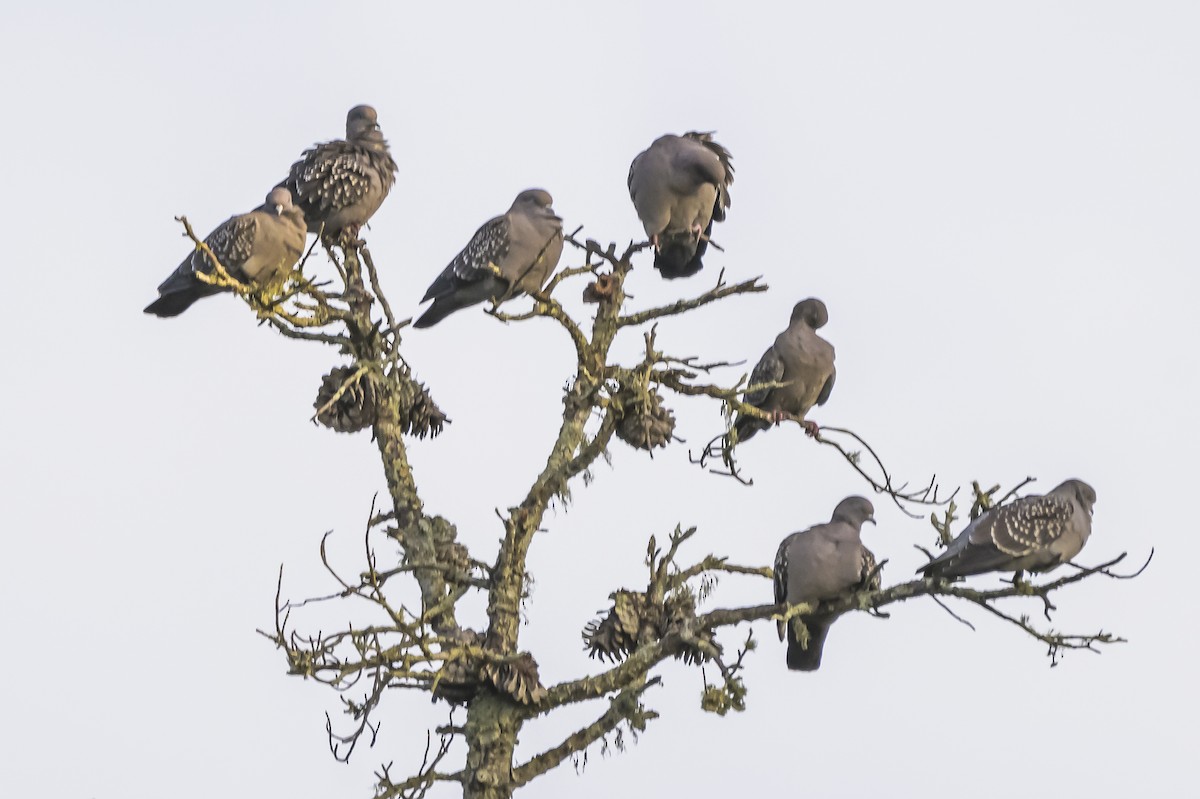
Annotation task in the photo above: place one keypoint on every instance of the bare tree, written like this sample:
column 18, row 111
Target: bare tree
column 427, row 649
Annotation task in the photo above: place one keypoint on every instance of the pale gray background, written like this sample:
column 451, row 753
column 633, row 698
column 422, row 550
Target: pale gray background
column 997, row 201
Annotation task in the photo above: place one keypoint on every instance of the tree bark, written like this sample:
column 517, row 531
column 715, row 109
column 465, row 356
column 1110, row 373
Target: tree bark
column 493, row 722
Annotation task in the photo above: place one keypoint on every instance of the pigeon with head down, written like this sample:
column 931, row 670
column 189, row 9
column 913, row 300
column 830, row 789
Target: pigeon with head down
column 680, row 186
column 792, row 376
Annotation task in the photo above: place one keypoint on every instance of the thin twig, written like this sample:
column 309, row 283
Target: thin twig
column 720, row 291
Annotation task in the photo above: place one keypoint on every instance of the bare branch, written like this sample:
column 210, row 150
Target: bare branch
column 720, row 291
column 546, row 306
column 566, row 274
column 424, row 649
column 883, row 485
column 625, row 706
column 418, row 785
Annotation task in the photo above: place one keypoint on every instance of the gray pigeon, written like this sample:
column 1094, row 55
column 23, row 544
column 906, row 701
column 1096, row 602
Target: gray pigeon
column 823, row 562
column 518, row 249
column 801, row 360
column 680, row 186
column 1028, row 534
column 258, row 248
column 341, row 184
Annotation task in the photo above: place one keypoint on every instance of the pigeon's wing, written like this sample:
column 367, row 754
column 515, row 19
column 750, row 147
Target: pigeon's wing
column 769, row 369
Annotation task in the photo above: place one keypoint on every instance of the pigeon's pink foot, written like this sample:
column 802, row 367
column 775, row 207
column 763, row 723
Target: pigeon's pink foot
column 811, row 429
column 654, row 242
column 780, row 416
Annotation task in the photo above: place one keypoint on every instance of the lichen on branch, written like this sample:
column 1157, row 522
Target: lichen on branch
column 428, row 649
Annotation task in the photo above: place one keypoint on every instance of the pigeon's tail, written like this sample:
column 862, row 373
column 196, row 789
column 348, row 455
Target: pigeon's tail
column 456, row 296
column 443, row 286
column 932, row 569
column 175, row 302
column 954, row 564
column 172, row 304
column 800, row 658
column 679, row 255
column 747, row 426
column 179, row 291
column 441, row 308
column 945, row 566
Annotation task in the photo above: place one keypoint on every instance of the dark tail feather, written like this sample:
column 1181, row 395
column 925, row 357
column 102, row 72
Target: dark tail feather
column 801, row 659
column 176, row 302
column 441, row 308
column 443, row 285
column 747, row 426
column 949, row 566
column 680, row 257
column 179, row 291
column 434, row 314
column 931, row 569
column 462, row 296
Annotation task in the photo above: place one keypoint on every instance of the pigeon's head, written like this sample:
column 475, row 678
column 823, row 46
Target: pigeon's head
column 812, row 311
column 362, row 125
column 279, row 200
column 854, row 511
column 1080, row 491
column 536, row 202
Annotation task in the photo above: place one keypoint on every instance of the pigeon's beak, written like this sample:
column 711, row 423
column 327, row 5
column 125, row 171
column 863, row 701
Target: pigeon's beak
column 278, row 209
column 870, row 519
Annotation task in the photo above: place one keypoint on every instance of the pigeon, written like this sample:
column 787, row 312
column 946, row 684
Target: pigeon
column 341, row 184
column 680, row 186
column 799, row 359
column 258, row 248
column 1028, row 534
column 509, row 255
column 823, row 562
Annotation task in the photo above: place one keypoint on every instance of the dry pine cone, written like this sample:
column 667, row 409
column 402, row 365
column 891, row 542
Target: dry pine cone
column 519, row 679
column 645, row 422
column 422, row 417
column 354, row 410
column 615, row 636
column 458, row 681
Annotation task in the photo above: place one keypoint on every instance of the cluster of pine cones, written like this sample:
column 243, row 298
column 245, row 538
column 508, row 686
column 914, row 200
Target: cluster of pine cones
column 460, row 679
column 356, row 407
column 615, row 635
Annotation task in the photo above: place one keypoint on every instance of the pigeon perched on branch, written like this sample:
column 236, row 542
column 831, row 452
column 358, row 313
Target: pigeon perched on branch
column 340, row 184
column 257, row 248
column 680, row 186
column 1028, row 534
column 509, row 255
column 796, row 373
column 820, row 563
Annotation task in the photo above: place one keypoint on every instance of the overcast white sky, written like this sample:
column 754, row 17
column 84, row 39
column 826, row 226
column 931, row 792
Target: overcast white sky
column 997, row 202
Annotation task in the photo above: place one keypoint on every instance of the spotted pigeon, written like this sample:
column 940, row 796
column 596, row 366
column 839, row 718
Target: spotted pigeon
column 340, row 184
column 259, row 248
column 515, row 252
column 820, row 563
column 802, row 362
column 680, row 186
column 1028, row 534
